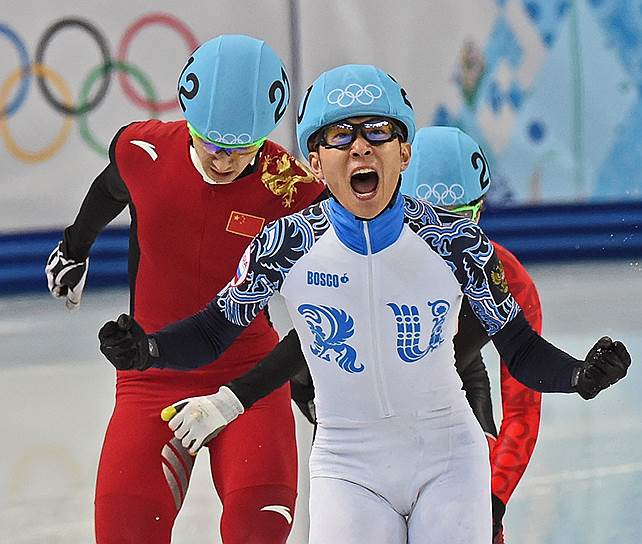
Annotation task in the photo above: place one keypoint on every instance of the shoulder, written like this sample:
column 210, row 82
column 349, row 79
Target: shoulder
column 513, row 268
column 292, row 236
column 280, row 245
column 430, row 221
column 505, row 255
column 299, row 228
column 153, row 128
column 521, row 285
column 285, row 176
column 147, row 135
column 459, row 241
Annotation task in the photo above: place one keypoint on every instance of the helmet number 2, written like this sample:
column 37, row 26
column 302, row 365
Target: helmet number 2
column 183, row 92
column 484, row 175
column 282, row 86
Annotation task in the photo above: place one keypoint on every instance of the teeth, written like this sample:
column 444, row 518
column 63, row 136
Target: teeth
column 363, row 171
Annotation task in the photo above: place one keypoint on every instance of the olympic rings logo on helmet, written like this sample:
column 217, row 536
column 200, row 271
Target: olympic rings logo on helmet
column 100, row 75
column 440, row 194
column 344, row 98
column 229, row 139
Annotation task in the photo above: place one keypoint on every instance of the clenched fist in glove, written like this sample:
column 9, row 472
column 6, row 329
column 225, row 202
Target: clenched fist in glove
column 125, row 344
column 197, row 420
column 605, row 364
column 66, row 276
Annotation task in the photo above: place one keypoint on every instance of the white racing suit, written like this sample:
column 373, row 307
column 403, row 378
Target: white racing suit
column 398, row 456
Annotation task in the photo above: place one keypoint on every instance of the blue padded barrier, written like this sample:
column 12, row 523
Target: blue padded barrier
column 559, row 233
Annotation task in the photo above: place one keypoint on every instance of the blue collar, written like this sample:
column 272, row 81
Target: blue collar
column 382, row 231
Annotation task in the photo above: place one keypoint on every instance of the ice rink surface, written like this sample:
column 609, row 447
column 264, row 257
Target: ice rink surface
column 584, row 484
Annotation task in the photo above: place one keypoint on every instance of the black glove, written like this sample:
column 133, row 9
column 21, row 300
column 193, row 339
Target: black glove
column 302, row 393
column 125, row 344
column 499, row 508
column 605, row 364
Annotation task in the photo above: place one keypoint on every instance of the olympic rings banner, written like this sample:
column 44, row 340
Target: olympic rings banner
column 72, row 73
column 549, row 88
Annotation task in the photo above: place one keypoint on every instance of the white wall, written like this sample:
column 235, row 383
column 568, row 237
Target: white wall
column 579, row 88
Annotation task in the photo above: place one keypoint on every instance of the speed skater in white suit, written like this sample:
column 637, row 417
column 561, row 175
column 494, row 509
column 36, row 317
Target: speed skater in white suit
column 373, row 281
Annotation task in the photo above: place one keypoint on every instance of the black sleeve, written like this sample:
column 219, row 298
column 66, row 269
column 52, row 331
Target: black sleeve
column 106, row 198
column 194, row 341
column 285, row 360
column 301, row 384
column 471, row 337
column 532, row 360
column 468, row 341
column 477, row 388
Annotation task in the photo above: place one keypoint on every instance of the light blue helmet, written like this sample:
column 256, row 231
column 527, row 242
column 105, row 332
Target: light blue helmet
column 447, row 168
column 233, row 90
column 352, row 90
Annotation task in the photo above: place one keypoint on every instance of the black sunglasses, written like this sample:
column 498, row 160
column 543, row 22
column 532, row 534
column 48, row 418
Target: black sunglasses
column 375, row 131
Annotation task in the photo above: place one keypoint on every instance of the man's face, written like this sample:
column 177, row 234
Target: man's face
column 220, row 166
column 364, row 176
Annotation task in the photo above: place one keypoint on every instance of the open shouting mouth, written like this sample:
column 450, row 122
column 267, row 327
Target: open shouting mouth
column 364, row 183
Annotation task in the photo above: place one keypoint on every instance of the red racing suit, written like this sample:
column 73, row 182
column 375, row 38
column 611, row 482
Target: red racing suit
column 521, row 406
column 512, row 447
column 186, row 239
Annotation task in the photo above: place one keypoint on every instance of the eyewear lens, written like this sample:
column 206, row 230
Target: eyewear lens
column 213, row 148
column 375, row 131
column 471, row 212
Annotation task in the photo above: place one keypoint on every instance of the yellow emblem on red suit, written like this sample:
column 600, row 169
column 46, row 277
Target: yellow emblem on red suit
column 280, row 175
column 499, row 278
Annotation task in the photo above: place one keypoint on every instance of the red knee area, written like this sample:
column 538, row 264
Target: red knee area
column 258, row 515
column 144, row 473
column 131, row 519
column 254, row 463
column 142, row 477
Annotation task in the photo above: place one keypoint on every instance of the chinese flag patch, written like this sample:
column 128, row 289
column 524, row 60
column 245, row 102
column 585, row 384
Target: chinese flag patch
column 244, row 224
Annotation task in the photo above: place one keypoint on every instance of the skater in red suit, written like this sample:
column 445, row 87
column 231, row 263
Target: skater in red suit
column 449, row 169
column 198, row 190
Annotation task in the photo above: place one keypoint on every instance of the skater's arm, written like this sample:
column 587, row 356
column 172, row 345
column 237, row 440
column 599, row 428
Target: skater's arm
column 285, row 360
column 106, row 198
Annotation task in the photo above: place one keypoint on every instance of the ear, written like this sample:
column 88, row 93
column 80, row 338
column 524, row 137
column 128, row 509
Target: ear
column 406, row 152
column 315, row 164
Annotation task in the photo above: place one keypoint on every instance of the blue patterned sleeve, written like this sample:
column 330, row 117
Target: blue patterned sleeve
column 482, row 277
column 263, row 268
column 472, row 259
column 471, row 256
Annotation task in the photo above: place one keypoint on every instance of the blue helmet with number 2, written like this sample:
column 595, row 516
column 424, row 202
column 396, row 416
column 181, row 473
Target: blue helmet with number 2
column 352, row 90
column 233, row 90
column 447, row 168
